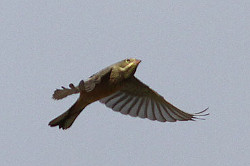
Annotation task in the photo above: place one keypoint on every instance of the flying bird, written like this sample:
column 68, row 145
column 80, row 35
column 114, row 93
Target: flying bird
column 118, row 88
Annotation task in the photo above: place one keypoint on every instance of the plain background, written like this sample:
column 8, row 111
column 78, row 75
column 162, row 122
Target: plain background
column 194, row 53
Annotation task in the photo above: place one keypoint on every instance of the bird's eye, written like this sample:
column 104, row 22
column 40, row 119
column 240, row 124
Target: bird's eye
column 127, row 60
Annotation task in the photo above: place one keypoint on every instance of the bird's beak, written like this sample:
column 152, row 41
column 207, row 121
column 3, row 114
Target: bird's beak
column 137, row 61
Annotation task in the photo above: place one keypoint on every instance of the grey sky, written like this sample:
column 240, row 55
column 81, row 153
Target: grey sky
column 194, row 53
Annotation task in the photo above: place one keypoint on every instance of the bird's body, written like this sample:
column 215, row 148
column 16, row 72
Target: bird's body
column 117, row 87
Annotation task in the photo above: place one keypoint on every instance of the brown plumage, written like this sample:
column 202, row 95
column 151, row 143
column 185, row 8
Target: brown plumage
column 118, row 89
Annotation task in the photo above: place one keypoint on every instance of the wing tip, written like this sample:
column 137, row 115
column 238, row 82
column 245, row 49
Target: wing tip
column 199, row 114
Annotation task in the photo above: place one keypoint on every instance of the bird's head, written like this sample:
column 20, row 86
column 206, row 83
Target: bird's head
column 128, row 67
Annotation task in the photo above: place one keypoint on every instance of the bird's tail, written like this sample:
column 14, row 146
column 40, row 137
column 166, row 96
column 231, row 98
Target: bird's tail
column 66, row 119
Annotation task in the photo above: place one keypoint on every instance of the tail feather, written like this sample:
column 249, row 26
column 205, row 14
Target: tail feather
column 66, row 119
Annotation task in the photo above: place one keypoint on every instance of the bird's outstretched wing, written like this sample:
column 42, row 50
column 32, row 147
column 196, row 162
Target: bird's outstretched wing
column 64, row 92
column 137, row 99
column 87, row 85
column 90, row 84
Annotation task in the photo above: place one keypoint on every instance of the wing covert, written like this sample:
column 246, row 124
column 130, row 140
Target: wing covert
column 90, row 84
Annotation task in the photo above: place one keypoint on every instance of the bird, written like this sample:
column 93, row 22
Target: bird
column 118, row 88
